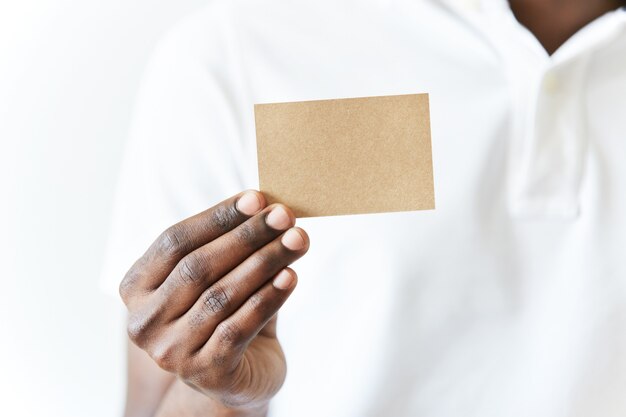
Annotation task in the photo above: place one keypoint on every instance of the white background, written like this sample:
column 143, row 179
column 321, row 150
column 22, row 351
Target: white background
column 69, row 70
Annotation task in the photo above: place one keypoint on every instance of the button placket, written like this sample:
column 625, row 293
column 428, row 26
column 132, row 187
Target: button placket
column 555, row 145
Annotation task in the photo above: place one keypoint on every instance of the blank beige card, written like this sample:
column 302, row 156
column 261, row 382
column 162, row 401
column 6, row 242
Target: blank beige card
column 346, row 156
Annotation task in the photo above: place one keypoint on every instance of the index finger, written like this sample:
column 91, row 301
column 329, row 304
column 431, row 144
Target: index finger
column 149, row 272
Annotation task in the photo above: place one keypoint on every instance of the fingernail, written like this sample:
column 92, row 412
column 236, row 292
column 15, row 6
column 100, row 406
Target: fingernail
column 278, row 218
column 249, row 203
column 283, row 280
column 292, row 239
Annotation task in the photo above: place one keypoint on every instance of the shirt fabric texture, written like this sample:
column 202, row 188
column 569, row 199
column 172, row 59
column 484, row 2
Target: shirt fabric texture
column 507, row 300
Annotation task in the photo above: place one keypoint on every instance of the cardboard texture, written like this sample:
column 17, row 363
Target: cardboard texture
column 346, row 156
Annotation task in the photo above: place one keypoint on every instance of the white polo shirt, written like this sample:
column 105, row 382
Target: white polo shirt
column 507, row 300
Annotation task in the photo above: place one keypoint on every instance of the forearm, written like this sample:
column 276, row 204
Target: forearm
column 183, row 401
column 147, row 384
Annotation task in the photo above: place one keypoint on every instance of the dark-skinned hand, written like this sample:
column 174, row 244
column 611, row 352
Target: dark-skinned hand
column 202, row 300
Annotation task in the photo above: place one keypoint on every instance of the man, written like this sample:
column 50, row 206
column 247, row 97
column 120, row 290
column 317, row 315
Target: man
column 507, row 300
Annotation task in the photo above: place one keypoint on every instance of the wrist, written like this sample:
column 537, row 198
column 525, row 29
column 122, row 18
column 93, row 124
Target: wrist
column 184, row 401
column 259, row 410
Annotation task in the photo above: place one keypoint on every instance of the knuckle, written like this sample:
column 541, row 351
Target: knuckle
column 246, row 233
column 192, row 269
column 196, row 319
column 224, row 216
column 198, row 373
column 209, row 380
column 258, row 302
column 259, row 259
column 165, row 356
column 218, row 359
column 141, row 324
column 228, row 334
column 213, row 371
column 188, row 373
column 137, row 329
column 215, row 301
column 267, row 260
column 131, row 279
column 171, row 241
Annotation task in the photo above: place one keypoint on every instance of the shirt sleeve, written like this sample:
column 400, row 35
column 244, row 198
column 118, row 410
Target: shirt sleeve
column 185, row 149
